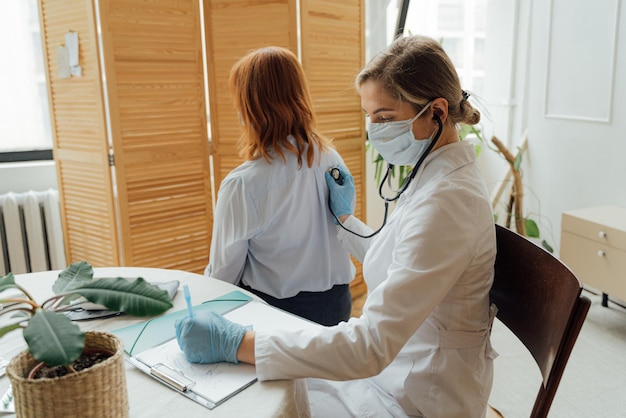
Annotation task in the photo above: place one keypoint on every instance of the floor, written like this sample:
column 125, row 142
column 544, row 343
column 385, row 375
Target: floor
column 593, row 382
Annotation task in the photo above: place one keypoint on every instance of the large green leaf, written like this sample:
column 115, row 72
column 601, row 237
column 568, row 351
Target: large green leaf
column 74, row 276
column 136, row 297
column 53, row 338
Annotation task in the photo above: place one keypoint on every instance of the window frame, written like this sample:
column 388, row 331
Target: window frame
column 26, row 156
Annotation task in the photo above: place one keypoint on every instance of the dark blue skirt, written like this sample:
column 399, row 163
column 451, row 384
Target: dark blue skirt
column 326, row 308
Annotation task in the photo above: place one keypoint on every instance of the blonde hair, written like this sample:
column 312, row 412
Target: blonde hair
column 416, row 69
column 270, row 91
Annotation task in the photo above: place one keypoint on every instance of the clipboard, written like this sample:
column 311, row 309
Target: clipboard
column 156, row 331
column 212, row 384
column 207, row 384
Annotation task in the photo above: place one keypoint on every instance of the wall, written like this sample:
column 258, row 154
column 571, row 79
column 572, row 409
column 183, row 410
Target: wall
column 566, row 86
column 22, row 177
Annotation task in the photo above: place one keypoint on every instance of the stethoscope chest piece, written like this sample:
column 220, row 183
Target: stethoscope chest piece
column 336, row 174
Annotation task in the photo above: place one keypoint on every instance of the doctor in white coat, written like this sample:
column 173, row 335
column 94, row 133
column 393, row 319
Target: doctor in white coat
column 421, row 347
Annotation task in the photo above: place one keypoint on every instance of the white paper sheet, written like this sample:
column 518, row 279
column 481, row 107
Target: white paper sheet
column 214, row 382
column 264, row 317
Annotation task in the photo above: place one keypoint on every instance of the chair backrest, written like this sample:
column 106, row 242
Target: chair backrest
column 539, row 299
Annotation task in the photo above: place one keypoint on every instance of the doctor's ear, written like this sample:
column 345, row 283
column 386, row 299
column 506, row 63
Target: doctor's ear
column 440, row 108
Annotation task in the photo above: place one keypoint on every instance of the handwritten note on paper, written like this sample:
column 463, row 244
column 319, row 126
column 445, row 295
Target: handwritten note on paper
column 214, row 382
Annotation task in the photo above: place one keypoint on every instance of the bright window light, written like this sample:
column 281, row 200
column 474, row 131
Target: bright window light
column 24, row 115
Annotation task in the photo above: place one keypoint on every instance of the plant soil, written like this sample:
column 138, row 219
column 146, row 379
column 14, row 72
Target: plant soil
column 85, row 361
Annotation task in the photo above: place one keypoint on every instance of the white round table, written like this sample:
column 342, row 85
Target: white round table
column 147, row 397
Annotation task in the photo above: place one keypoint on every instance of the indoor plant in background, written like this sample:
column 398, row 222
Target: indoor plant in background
column 96, row 390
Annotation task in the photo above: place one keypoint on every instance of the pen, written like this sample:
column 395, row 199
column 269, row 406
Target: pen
column 188, row 300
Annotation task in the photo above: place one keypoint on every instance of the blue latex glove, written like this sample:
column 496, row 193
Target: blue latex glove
column 341, row 195
column 208, row 337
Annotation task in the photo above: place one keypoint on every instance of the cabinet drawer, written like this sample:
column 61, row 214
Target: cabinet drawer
column 604, row 225
column 595, row 264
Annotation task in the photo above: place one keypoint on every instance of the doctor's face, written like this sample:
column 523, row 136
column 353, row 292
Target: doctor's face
column 381, row 107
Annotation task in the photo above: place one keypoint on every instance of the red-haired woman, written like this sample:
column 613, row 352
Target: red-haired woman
column 272, row 232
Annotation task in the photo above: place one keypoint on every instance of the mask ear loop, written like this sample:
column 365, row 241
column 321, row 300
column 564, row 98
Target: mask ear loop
column 415, row 168
column 402, row 189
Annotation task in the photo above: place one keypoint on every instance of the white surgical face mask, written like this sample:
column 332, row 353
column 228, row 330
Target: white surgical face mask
column 395, row 140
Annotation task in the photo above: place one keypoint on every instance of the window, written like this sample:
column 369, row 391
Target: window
column 24, row 114
column 460, row 25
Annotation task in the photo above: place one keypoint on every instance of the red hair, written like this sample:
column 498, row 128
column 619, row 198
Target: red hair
column 271, row 94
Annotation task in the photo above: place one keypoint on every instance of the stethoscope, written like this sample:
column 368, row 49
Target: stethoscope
column 404, row 186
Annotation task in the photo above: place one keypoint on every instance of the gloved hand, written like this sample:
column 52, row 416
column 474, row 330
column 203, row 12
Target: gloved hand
column 341, row 195
column 208, row 337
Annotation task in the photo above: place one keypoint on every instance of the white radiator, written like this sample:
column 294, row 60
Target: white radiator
column 31, row 236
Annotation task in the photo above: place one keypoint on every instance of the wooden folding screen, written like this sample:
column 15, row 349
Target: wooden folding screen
column 152, row 53
column 232, row 29
column 155, row 82
column 332, row 51
column 148, row 115
column 80, row 136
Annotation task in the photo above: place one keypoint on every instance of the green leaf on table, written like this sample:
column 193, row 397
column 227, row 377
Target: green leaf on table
column 135, row 297
column 74, row 276
column 53, row 338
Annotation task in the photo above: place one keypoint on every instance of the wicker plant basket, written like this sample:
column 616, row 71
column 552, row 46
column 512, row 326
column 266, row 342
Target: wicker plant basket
column 96, row 392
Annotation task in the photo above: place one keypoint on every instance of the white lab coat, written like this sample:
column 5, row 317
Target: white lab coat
column 423, row 337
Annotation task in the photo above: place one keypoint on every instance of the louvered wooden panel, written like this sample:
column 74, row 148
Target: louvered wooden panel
column 332, row 54
column 80, row 142
column 153, row 58
column 233, row 28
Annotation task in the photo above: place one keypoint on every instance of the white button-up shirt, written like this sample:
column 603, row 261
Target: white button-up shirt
column 273, row 231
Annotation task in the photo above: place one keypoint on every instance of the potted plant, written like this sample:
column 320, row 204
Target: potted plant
column 53, row 340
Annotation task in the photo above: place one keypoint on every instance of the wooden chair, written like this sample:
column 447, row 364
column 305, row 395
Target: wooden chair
column 539, row 299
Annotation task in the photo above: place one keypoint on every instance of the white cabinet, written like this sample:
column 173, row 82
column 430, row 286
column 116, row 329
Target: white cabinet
column 593, row 246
